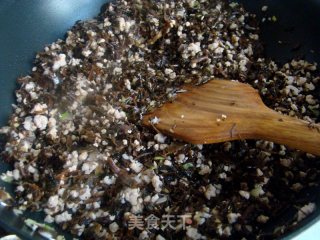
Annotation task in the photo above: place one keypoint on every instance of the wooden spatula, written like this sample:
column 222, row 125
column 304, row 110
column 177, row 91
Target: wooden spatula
column 224, row 110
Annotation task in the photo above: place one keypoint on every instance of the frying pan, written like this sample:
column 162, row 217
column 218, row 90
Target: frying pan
column 27, row 26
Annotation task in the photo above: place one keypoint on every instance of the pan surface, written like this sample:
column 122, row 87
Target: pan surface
column 27, row 26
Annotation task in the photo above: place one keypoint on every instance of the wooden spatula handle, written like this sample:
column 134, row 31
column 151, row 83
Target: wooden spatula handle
column 290, row 131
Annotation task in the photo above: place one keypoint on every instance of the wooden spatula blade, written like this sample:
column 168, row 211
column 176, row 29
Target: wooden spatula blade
column 208, row 113
column 224, row 110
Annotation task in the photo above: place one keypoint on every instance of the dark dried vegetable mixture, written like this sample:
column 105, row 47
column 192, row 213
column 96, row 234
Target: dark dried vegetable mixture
column 81, row 154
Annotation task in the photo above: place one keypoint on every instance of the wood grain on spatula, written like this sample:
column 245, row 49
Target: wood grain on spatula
column 224, row 110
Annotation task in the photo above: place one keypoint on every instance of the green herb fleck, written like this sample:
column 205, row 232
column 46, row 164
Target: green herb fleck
column 64, row 116
column 35, row 225
column 314, row 110
column 186, row 166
